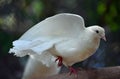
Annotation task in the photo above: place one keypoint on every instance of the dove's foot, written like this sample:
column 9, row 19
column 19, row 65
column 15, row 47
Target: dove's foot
column 59, row 59
column 74, row 71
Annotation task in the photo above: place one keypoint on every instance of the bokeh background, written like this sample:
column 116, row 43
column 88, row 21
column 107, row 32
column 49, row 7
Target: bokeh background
column 17, row 16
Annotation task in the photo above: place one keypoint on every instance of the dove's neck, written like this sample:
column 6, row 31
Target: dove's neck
column 90, row 37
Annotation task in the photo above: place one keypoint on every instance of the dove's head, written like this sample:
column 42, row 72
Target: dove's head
column 98, row 31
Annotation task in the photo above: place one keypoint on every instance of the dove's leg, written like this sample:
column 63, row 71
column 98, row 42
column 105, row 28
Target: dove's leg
column 73, row 71
column 59, row 59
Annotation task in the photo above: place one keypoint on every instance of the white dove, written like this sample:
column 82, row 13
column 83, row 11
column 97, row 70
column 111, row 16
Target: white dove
column 63, row 36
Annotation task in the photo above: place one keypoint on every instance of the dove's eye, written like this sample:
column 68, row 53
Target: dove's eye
column 97, row 31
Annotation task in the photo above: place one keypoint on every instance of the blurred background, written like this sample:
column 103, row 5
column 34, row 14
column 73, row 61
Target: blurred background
column 17, row 16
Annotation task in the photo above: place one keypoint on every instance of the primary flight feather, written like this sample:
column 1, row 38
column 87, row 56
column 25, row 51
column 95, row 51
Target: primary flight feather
column 64, row 36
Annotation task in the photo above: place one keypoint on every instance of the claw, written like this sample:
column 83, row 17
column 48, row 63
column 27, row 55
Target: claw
column 59, row 59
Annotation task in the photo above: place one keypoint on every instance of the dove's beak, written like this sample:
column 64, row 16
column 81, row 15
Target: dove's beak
column 104, row 38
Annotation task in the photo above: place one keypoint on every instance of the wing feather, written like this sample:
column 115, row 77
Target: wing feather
column 60, row 25
column 22, row 47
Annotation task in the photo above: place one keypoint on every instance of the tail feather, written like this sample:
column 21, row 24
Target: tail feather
column 36, row 69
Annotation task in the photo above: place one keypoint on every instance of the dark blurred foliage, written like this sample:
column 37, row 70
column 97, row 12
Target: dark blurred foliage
column 17, row 16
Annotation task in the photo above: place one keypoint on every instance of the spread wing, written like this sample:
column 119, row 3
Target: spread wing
column 44, row 35
column 60, row 25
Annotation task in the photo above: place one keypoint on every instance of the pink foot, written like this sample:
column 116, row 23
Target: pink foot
column 59, row 59
column 73, row 71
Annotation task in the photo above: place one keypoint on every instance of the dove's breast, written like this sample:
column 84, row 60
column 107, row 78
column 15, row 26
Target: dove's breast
column 85, row 51
column 74, row 51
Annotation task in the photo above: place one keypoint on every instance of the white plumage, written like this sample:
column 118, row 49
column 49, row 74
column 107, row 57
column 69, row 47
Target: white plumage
column 62, row 35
